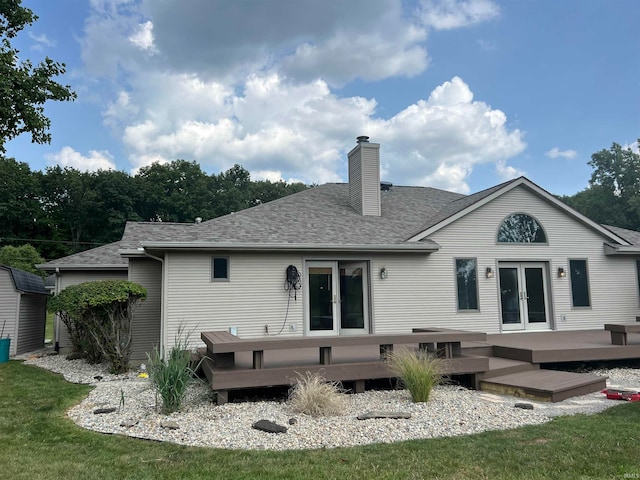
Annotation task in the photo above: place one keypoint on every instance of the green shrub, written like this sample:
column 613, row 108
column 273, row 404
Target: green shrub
column 172, row 374
column 418, row 371
column 98, row 316
column 315, row 396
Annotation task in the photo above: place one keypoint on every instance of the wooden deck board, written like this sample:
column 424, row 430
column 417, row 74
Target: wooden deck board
column 566, row 346
column 546, row 385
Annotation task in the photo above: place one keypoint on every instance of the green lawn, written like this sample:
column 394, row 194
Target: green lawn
column 38, row 441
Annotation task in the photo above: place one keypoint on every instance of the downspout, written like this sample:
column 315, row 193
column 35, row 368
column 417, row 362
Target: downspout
column 56, row 318
column 163, row 308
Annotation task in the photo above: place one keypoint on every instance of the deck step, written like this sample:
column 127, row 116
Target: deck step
column 544, row 385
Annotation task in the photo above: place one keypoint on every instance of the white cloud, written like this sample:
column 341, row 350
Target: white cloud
column 193, row 100
column 449, row 14
column 41, row 41
column 68, row 157
column 143, row 37
column 555, row 152
column 507, row 172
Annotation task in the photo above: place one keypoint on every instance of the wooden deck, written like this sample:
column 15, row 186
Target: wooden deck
column 544, row 385
column 280, row 360
column 506, row 363
column 557, row 347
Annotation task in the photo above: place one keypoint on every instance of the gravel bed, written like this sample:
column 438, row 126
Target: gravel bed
column 451, row 411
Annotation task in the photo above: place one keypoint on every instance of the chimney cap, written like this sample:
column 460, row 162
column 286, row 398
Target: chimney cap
column 363, row 139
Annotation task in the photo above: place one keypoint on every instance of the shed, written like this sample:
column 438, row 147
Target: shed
column 23, row 309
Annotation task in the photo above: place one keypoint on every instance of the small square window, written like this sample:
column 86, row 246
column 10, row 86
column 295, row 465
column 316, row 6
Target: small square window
column 220, row 269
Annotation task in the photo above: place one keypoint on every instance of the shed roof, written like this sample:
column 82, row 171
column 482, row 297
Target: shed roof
column 26, row 282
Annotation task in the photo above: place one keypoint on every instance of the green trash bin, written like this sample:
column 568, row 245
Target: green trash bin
column 5, row 343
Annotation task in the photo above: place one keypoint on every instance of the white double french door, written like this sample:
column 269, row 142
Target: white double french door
column 524, row 303
column 338, row 297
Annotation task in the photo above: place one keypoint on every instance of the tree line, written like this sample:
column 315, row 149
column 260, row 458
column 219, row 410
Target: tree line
column 63, row 210
column 613, row 194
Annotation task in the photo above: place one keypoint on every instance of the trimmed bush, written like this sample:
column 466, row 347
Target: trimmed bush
column 98, row 316
column 172, row 374
column 315, row 396
column 417, row 371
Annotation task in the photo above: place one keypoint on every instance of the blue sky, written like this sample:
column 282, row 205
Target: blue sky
column 461, row 95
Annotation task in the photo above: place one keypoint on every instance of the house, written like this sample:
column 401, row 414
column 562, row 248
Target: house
column 371, row 257
column 23, row 309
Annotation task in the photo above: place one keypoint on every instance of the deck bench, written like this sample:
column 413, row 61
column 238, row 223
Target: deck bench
column 619, row 331
column 223, row 373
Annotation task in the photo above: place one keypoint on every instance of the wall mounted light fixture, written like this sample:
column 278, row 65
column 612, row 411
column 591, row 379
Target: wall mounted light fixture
column 488, row 272
column 561, row 272
column 383, row 273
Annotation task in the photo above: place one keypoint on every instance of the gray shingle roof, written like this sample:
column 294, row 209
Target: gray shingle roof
column 460, row 204
column 105, row 255
column 320, row 215
column 630, row 236
column 26, row 282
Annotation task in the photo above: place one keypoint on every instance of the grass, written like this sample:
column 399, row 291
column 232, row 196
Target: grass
column 38, row 441
column 48, row 331
column 418, row 371
column 315, row 396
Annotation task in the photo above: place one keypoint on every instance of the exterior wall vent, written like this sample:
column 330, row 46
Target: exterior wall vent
column 364, row 177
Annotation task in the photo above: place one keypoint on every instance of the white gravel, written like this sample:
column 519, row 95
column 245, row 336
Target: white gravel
column 451, row 411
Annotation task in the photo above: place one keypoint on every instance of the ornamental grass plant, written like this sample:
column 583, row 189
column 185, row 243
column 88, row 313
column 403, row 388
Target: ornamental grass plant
column 315, row 396
column 172, row 374
column 417, row 371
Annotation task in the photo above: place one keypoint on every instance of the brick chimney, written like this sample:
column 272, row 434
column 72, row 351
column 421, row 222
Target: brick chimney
column 364, row 177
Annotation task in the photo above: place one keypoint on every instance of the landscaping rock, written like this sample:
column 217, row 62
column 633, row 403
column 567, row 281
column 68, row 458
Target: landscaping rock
column 381, row 414
column 269, row 427
column 129, row 423
column 170, row 425
column 100, row 411
column 524, row 406
column 293, row 421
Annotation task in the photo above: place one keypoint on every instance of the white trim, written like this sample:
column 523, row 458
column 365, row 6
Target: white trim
column 305, row 247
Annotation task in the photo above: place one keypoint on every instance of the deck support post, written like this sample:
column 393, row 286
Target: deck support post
column 325, row 355
column 258, row 359
column 358, row 386
column 385, row 350
column 222, row 396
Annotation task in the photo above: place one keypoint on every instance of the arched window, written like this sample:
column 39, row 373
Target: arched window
column 521, row 228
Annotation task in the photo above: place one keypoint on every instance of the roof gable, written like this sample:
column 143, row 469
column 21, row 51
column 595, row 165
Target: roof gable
column 463, row 207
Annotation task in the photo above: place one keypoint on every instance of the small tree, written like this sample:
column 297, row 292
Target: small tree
column 24, row 257
column 104, row 310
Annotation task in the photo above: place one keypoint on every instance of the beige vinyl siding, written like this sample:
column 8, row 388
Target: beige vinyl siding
column 147, row 316
column 31, row 324
column 253, row 297
column 612, row 280
column 9, row 301
column 401, row 301
column 75, row 277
